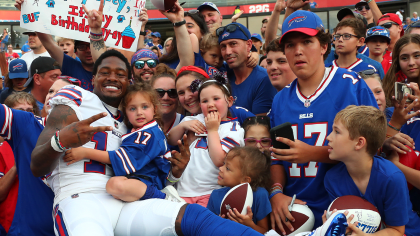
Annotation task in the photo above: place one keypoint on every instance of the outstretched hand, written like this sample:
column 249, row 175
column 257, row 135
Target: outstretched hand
column 176, row 14
column 95, row 17
column 179, row 161
column 78, row 133
column 296, row 4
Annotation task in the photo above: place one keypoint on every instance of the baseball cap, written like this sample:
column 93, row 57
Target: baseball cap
column 347, row 11
column 143, row 53
column 156, row 34
column 302, row 21
column 233, row 31
column 361, row 3
column 18, row 69
column 256, row 36
column 392, row 17
column 208, row 4
column 26, row 48
column 41, row 65
column 378, row 31
column 29, row 32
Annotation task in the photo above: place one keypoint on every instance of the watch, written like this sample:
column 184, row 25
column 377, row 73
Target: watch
column 179, row 23
column 143, row 33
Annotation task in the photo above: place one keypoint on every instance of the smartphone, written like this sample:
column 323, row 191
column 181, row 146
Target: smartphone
column 400, row 90
column 284, row 130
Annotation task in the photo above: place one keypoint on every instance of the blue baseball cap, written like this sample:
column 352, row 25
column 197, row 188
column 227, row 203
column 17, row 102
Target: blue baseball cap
column 208, row 4
column 156, row 34
column 233, row 31
column 26, row 48
column 378, row 31
column 302, row 21
column 18, row 69
column 256, row 36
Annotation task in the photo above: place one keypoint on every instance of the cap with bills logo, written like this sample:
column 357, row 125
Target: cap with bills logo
column 18, row 69
column 302, row 21
column 378, row 31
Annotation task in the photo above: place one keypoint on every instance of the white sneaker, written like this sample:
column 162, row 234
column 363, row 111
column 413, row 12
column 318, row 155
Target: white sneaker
column 172, row 194
column 336, row 225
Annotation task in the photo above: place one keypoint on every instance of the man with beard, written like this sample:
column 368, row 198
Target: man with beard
column 143, row 64
column 38, row 49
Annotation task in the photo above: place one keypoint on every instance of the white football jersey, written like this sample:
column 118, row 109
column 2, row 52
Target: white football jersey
column 200, row 176
column 86, row 176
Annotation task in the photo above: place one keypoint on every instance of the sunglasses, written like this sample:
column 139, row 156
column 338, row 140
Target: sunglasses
column 345, row 36
column 388, row 24
column 360, row 8
column 171, row 93
column 193, row 11
column 265, row 142
column 71, row 80
column 230, row 29
column 367, row 72
column 151, row 63
column 83, row 47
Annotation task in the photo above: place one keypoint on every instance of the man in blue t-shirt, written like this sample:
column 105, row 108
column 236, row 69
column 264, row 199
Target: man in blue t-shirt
column 251, row 87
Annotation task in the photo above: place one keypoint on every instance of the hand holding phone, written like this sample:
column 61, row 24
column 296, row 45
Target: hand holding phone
column 285, row 131
column 400, row 90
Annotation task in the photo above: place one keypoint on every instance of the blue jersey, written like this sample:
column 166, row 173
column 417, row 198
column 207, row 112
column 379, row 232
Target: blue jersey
column 387, row 191
column 357, row 66
column 261, row 205
column 364, row 50
column 210, row 70
column 33, row 214
column 240, row 113
column 150, row 45
column 142, row 152
column 256, row 93
column 74, row 68
column 312, row 119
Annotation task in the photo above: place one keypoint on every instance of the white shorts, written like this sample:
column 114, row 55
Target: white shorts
column 87, row 214
column 148, row 217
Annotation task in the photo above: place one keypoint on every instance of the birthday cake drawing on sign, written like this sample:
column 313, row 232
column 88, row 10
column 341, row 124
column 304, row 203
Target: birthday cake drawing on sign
column 128, row 36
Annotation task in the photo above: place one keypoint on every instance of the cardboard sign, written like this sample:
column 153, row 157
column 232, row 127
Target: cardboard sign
column 66, row 18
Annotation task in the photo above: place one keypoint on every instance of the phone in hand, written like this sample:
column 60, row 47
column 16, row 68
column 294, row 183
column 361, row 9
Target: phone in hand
column 400, row 90
column 284, row 130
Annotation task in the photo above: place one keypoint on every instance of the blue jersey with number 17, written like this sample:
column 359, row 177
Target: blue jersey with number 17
column 312, row 119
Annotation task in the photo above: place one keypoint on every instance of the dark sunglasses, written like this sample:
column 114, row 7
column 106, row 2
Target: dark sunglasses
column 83, row 47
column 71, row 80
column 367, row 72
column 193, row 11
column 171, row 93
column 151, row 63
column 360, row 8
column 388, row 24
column 230, row 29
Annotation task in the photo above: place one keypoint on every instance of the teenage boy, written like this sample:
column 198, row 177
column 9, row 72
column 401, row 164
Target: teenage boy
column 358, row 133
column 378, row 40
column 349, row 35
column 310, row 104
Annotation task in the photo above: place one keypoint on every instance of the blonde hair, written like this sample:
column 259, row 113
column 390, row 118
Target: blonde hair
column 372, row 76
column 208, row 41
column 364, row 121
column 58, row 39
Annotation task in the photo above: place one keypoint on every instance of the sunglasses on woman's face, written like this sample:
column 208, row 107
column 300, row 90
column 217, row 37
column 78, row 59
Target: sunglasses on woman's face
column 151, row 63
column 171, row 93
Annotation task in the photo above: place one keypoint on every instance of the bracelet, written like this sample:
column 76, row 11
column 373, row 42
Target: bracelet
column 274, row 193
column 369, row 1
column 172, row 178
column 57, row 140
column 392, row 127
column 179, row 23
column 143, row 33
column 98, row 39
column 54, row 144
column 388, row 136
column 94, row 34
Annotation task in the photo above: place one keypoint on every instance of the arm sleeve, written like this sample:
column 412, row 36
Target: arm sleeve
column 231, row 135
column 70, row 96
column 264, row 98
column 395, row 204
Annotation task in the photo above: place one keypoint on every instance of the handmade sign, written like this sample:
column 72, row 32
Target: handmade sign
column 66, row 18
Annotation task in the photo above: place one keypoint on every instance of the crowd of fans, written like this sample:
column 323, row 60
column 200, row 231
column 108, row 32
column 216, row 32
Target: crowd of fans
column 101, row 141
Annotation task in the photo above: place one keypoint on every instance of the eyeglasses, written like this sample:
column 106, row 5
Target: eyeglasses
column 388, row 24
column 83, row 47
column 345, row 36
column 151, row 63
column 31, row 110
column 171, row 93
column 265, row 142
column 193, row 11
column 360, row 8
column 71, row 80
column 230, row 29
column 367, row 72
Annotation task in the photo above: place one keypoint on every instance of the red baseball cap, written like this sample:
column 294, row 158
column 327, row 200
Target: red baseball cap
column 392, row 17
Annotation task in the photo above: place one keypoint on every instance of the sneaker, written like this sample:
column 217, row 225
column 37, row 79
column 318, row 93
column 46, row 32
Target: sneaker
column 336, row 225
column 172, row 194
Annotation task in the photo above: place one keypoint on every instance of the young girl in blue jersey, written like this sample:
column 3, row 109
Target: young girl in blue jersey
column 139, row 164
column 219, row 133
column 245, row 165
column 257, row 132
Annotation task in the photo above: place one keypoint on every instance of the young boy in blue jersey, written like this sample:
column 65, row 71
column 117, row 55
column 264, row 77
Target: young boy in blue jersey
column 358, row 133
column 348, row 37
column 310, row 104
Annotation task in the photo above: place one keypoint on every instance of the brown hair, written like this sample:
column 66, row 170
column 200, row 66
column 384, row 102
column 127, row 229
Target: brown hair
column 273, row 46
column 357, row 25
column 323, row 37
column 391, row 76
column 364, row 121
column 255, row 164
column 21, row 97
column 163, row 70
column 209, row 41
column 147, row 90
column 193, row 73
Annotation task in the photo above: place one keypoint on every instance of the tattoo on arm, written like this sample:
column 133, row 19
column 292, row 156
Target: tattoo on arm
column 98, row 45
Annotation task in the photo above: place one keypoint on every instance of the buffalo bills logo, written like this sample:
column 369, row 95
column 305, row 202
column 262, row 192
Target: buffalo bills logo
column 225, row 35
column 296, row 19
column 18, row 66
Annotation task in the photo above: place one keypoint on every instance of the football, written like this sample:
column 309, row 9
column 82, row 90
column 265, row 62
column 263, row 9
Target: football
column 304, row 220
column 410, row 160
column 239, row 197
column 164, row 5
column 364, row 212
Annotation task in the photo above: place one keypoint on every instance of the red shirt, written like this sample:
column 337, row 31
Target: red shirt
column 387, row 61
column 7, row 207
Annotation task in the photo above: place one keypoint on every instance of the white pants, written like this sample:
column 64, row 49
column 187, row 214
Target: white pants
column 101, row 214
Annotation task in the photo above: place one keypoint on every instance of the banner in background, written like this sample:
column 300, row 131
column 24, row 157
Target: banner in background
column 66, row 18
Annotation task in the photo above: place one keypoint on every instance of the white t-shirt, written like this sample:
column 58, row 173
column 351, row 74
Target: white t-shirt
column 30, row 56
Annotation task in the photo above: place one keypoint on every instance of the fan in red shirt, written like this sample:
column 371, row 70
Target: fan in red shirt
column 10, row 55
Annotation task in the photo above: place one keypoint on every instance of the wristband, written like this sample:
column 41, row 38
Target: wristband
column 57, row 140
column 392, row 127
column 54, row 144
column 274, row 193
column 179, row 23
column 172, row 178
column 94, row 34
column 369, row 1
column 143, row 33
column 98, row 39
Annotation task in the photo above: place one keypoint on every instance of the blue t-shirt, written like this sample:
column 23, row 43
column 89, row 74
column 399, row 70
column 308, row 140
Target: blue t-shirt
column 364, row 50
column 332, row 56
column 387, row 190
column 256, row 93
column 415, row 19
column 261, row 205
column 74, row 68
column 240, row 113
column 311, row 124
column 34, row 207
column 357, row 66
